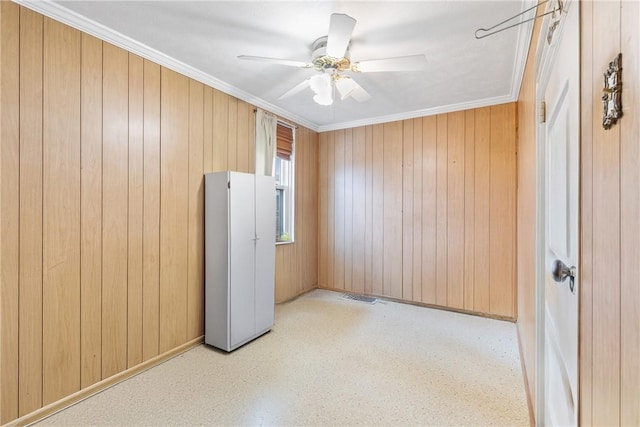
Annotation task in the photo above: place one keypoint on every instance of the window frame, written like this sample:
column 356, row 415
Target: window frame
column 288, row 190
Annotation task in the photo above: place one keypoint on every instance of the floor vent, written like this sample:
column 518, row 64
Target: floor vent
column 360, row 298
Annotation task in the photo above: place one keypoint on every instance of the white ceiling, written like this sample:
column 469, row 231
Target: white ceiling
column 202, row 39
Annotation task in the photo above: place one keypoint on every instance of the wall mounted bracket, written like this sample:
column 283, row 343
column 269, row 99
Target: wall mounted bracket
column 612, row 96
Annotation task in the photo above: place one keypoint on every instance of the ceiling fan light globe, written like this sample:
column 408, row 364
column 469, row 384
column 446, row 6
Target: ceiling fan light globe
column 323, row 99
column 320, row 83
column 315, row 83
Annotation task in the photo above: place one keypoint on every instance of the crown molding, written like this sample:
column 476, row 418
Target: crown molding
column 487, row 102
column 79, row 22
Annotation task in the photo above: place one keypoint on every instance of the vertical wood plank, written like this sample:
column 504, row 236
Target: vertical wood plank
column 586, row 215
column 441, row 209
column 606, row 229
column 293, row 272
column 369, row 212
column 312, row 210
column 359, row 209
column 207, row 153
column 9, row 208
column 91, row 212
column 455, row 209
column 313, row 188
column 338, row 212
column 630, row 221
column 136, row 206
column 429, row 208
column 482, row 167
column 151, row 207
column 289, row 270
column 377, row 256
column 174, row 213
column 502, row 210
column 305, row 206
column 392, row 148
column 407, row 211
column 232, row 135
column 323, row 210
column 243, row 137
column 61, row 211
column 417, row 211
column 30, row 223
column 281, row 273
column 348, row 209
column 300, row 208
column 306, row 216
column 469, row 205
column 195, row 287
column 331, row 176
column 278, row 276
column 115, row 216
column 220, row 131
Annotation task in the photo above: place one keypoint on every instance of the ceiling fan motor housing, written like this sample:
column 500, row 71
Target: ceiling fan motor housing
column 323, row 62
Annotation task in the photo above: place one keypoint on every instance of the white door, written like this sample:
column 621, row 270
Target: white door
column 561, row 249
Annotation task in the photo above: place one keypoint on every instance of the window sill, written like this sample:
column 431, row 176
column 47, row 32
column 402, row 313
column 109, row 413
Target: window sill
column 288, row 242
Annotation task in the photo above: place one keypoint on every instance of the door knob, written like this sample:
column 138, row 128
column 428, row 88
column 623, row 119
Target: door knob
column 560, row 272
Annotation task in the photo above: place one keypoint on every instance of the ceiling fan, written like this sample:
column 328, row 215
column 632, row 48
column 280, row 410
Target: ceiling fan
column 331, row 59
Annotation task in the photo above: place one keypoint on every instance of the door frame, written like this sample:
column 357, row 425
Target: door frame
column 545, row 57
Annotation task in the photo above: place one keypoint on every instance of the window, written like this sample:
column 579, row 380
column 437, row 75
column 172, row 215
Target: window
column 284, row 173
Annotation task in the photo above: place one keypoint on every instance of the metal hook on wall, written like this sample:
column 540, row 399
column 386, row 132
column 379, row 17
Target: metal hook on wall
column 558, row 8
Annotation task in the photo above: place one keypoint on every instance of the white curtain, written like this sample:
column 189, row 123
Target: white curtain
column 266, row 126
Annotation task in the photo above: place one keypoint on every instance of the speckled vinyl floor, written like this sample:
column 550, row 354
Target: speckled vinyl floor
column 330, row 361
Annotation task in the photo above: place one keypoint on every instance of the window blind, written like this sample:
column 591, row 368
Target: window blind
column 284, row 137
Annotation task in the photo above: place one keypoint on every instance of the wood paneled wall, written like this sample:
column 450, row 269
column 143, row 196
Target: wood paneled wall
column 422, row 210
column 610, row 221
column 101, row 207
column 297, row 263
column 526, row 212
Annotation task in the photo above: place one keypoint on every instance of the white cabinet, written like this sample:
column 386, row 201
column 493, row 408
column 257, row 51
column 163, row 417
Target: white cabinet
column 240, row 229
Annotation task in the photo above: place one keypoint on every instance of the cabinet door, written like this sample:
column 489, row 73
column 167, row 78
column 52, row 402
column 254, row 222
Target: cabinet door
column 242, row 258
column 265, row 251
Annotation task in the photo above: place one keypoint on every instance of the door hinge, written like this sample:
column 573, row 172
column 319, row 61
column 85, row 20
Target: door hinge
column 543, row 112
column 229, row 185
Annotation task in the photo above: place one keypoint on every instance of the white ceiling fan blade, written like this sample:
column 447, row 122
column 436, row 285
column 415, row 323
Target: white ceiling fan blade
column 358, row 93
column 340, row 29
column 288, row 63
column 299, row 87
column 401, row 63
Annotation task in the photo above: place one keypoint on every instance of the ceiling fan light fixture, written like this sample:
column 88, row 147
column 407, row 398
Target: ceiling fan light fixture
column 330, row 57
